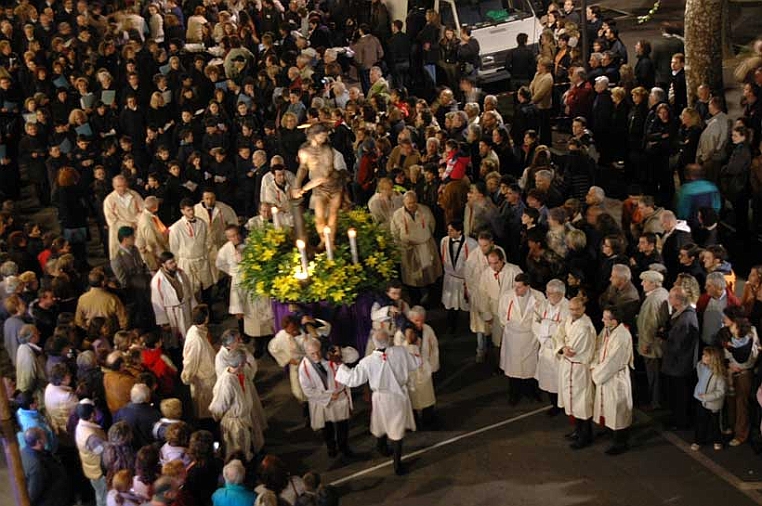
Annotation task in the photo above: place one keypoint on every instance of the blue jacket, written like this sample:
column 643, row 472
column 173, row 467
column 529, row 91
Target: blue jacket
column 233, row 495
column 29, row 418
column 697, row 194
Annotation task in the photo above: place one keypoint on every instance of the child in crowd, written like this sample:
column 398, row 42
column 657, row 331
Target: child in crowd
column 710, row 394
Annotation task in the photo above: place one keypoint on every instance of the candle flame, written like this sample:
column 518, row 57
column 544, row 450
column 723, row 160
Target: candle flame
column 300, row 244
column 274, row 210
column 326, row 230
column 352, row 232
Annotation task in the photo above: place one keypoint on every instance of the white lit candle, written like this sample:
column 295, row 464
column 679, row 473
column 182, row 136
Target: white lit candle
column 352, row 233
column 328, row 245
column 276, row 222
column 303, row 253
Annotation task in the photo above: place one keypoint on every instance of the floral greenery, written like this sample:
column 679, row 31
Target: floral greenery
column 271, row 261
column 651, row 13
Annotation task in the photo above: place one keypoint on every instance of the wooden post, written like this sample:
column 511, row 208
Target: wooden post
column 12, row 452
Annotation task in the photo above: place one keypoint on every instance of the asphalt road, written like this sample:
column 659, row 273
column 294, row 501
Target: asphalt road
column 487, row 452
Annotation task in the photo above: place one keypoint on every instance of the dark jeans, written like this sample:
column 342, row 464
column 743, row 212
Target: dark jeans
column 679, row 394
column 400, row 74
column 707, row 426
column 336, row 434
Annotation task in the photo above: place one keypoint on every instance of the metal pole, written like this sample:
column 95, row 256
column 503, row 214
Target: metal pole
column 11, row 447
column 583, row 29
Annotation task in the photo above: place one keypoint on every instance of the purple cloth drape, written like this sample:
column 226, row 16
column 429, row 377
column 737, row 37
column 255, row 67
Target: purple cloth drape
column 351, row 324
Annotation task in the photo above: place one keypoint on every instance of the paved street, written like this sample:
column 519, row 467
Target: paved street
column 521, row 458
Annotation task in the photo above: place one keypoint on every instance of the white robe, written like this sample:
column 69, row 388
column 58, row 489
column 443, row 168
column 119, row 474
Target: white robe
column 387, row 373
column 120, row 212
column 168, row 309
column 250, row 370
column 233, row 408
column 150, row 240
column 547, row 320
column 198, row 370
column 476, row 264
column 257, row 311
column 190, row 244
column 284, row 347
column 380, row 318
column 518, row 352
column 421, row 383
column 611, row 375
column 454, row 282
column 575, row 385
column 491, row 290
column 222, row 216
column 322, row 407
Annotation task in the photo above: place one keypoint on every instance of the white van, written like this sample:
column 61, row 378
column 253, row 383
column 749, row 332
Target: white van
column 495, row 24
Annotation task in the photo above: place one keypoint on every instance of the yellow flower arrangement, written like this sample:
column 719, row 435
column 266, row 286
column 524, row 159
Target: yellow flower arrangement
column 271, row 261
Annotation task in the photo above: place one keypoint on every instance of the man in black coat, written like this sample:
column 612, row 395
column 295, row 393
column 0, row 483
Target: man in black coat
column 678, row 92
column 398, row 54
column 139, row 415
column 521, row 63
column 678, row 361
column 601, row 118
column 46, row 480
column 664, row 47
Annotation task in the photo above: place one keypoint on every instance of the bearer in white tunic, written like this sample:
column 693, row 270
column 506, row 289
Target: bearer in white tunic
column 518, row 353
column 575, row 342
column 287, row 348
column 495, row 284
column 611, row 375
column 549, row 315
column 254, row 314
column 198, row 363
column 276, row 190
column 229, row 342
column 420, row 340
column 189, row 241
column 217, row 216
column 384, row 202
column 454, row 249
column 387, row 371
column 121, row 208
column 232, row 406
column 476, row 264
column 172, row 300
column 330, row 403
column 388, row 312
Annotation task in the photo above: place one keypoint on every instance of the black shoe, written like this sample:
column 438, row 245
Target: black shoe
column 617, row 449
column 400, row 469
column 578, row 444
column 572, row 436
column 332, row 452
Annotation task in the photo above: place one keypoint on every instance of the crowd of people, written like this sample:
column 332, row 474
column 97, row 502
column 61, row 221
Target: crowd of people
column 162, row 132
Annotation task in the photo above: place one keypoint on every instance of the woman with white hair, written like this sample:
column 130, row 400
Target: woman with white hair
column 234, row 492
column 232, row 406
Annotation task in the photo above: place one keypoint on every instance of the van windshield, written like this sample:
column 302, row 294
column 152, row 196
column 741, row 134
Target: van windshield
column 477, row 13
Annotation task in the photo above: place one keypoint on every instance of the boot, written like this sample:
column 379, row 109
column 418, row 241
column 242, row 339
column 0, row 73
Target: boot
column 399, row 467
column 585, row 431
column 381, row 446
column 342, row 437
column 554, row 409
column 621, row 444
